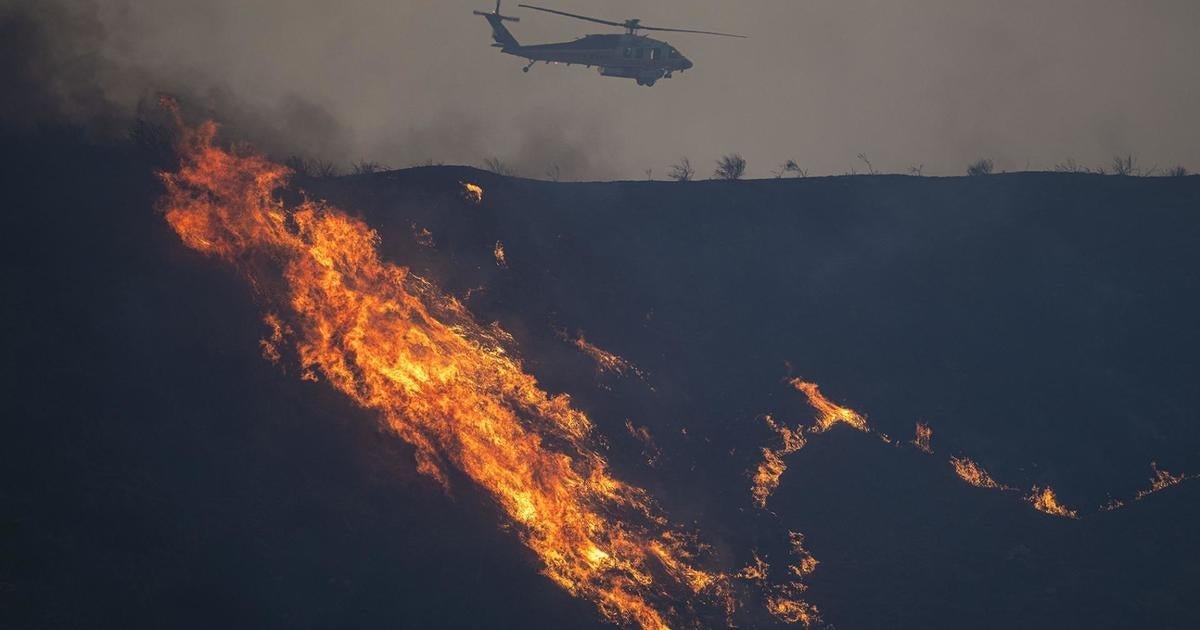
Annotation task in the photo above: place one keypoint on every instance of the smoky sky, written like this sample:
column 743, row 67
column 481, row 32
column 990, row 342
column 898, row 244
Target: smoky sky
column 918, row 83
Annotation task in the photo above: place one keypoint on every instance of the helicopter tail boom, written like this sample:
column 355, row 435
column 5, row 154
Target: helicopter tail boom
column 500, row 33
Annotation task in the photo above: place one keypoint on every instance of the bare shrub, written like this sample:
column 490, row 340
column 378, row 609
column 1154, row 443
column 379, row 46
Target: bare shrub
column 366, row 168
column 790, row 167
column 870, row 168
column 730, row 167
column 1123, row 166
column 499, row 167
column 982, row 167
column 1178, row 171
column 682, row 170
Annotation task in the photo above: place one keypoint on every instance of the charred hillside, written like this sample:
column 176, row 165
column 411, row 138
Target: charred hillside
column 159, row 472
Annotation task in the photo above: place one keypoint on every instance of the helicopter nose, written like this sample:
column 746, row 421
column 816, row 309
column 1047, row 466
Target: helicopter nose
column 687, row 63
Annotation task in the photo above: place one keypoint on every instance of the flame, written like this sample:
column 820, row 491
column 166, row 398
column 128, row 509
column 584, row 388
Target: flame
column 395, row 345
column 974, row 474
column 472, row 192
column 829, row 413
column 805, row 562
column 1044, row 500
column 756, row 571
column 1160, row 481
column 924, row 438
column 422, row 236
column 786, row 605
column 605, row 360
column 770, row 470
column 498, row 254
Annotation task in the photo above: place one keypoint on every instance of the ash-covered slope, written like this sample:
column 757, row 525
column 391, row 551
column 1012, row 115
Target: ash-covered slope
column 158, row 472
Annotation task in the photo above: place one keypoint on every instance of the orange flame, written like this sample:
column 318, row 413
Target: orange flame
column 395, row 345
column 1044, row 500
column 974, row 474
column 605, row 360
column 924, row 438
column 829, row 414
column 1160, row 481
column 498, row 254
column 472, row 192
column 770, row 470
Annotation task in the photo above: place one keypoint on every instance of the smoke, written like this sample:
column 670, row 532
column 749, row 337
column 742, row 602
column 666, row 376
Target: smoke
column 56, row 66
column 81, row 63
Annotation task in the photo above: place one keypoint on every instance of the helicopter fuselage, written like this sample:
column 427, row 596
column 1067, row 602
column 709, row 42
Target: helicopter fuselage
column 638, row 57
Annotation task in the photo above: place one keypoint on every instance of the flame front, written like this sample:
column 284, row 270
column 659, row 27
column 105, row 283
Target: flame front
column 974, row 474
column 1044, row 500
column 1161, row 481
column 828, row 413
column 395, row 345
column 924, row 438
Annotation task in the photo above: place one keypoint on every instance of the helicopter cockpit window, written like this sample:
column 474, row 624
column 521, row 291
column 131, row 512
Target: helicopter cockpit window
column 673, row 54
column 655, row 53
column 628, row 53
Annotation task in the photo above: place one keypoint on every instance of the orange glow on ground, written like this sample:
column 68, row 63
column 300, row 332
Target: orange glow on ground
column 828, row 413
column 395, row 345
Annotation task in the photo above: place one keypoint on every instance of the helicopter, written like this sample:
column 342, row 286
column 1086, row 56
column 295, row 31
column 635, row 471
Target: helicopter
column 627, row 56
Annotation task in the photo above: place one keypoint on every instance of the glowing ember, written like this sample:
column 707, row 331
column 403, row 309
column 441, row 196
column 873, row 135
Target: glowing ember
column 472, row 192
column 786, row 605
column 805, row 563
column 650, row 451
column 756, row 571
column 498, row 254
column 770, row 470
column 605, row 360
column 1044, row 500
column 829, row 414
column 1113, row 504
column 395, row 345
column 974, row 474
column 924, row 439
column 422, row 236
column 1161, row 481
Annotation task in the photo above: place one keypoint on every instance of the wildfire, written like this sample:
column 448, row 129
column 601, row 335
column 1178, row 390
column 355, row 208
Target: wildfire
column 974, row 474
column 1044, row 500
column 498, row 254
column 829, row 414
column 770, row 470
column 924, row 438
column 1160, row 481
column 395, row 345
column 605, row 360
column 472, row 192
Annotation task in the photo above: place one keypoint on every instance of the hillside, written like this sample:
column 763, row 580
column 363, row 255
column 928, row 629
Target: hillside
column 1045, row 325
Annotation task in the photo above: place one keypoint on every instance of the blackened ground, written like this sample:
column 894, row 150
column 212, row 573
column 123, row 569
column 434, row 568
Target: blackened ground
column 157, row 472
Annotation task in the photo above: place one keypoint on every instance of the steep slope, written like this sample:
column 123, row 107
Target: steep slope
column 159, row 472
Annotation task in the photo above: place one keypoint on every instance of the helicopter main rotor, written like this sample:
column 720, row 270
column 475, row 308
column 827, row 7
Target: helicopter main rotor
column 631, row 26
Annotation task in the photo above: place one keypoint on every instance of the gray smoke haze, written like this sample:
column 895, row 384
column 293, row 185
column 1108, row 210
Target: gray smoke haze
column 937, row 83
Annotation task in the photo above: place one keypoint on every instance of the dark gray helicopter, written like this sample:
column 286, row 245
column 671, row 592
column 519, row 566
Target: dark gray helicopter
column 628, row 56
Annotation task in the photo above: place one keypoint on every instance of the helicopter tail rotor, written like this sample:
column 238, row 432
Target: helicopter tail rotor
column 500, row 34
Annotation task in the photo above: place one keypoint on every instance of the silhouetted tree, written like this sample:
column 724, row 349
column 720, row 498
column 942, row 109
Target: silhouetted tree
column 730, row 167
column 682, row 170
column 870, row 168
column 982, row 167
column 499, row 167
column 790, row 167
column 1178, row 171
column 366, row 168
column 1122, row 166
